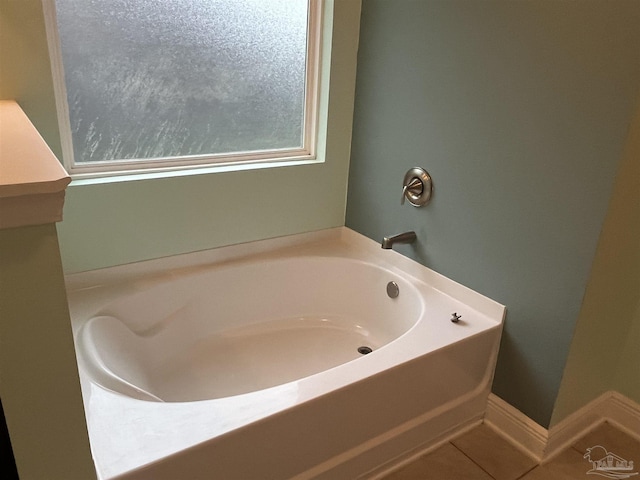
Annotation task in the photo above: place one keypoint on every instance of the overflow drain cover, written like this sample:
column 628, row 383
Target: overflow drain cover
column 364, row 350
column 393, row 290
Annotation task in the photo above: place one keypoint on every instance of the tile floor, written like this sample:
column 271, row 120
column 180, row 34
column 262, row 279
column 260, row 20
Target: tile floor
column 483, row 454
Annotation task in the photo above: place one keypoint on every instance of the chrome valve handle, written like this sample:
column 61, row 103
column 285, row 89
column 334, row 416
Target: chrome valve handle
column 413, row 189
column 416, row 187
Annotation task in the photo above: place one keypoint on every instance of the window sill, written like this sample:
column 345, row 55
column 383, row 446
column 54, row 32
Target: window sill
column 147, row 174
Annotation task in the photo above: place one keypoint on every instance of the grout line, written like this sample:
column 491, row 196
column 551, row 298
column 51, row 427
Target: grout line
column 574, row 448
column 474, row 462
column 528, row 472
column 518, row 446
column 498, row 434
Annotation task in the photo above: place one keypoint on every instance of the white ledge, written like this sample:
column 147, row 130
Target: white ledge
column 32, row 180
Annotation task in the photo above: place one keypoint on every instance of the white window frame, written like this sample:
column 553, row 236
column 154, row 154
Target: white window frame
column 194, row 163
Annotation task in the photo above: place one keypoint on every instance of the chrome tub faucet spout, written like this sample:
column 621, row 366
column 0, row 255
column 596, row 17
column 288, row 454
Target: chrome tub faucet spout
column 405, row 237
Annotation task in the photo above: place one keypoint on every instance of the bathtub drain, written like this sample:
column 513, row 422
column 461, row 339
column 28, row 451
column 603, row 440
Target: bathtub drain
column 364, row 350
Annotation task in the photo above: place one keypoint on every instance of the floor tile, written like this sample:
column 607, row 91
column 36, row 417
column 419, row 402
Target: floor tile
column 494, row 454
column 542, row 473
column 483, row 454
column 612, row 440
column 568, row 465
column 447, row 462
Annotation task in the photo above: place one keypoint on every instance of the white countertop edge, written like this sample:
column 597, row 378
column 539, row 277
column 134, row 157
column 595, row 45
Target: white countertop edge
column 32, row 180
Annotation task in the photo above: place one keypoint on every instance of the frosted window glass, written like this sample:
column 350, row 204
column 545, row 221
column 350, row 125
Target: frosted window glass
column 164, row 78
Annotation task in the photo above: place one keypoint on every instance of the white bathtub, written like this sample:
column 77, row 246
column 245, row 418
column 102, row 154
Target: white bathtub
column 245, row 362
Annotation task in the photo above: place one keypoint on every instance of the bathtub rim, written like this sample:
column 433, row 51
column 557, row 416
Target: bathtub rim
column 352, row 243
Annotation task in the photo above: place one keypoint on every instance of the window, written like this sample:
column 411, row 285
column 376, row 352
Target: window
column 173, row 84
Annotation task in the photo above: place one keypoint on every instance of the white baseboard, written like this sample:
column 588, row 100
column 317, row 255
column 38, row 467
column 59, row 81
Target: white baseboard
column 544, row 444
column 611, row 407
column 625, row 414
column 516, row 426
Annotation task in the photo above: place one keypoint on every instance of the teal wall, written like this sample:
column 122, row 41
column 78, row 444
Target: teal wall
column 520, row 112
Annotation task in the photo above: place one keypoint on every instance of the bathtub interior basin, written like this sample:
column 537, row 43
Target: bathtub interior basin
column 232, row 330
